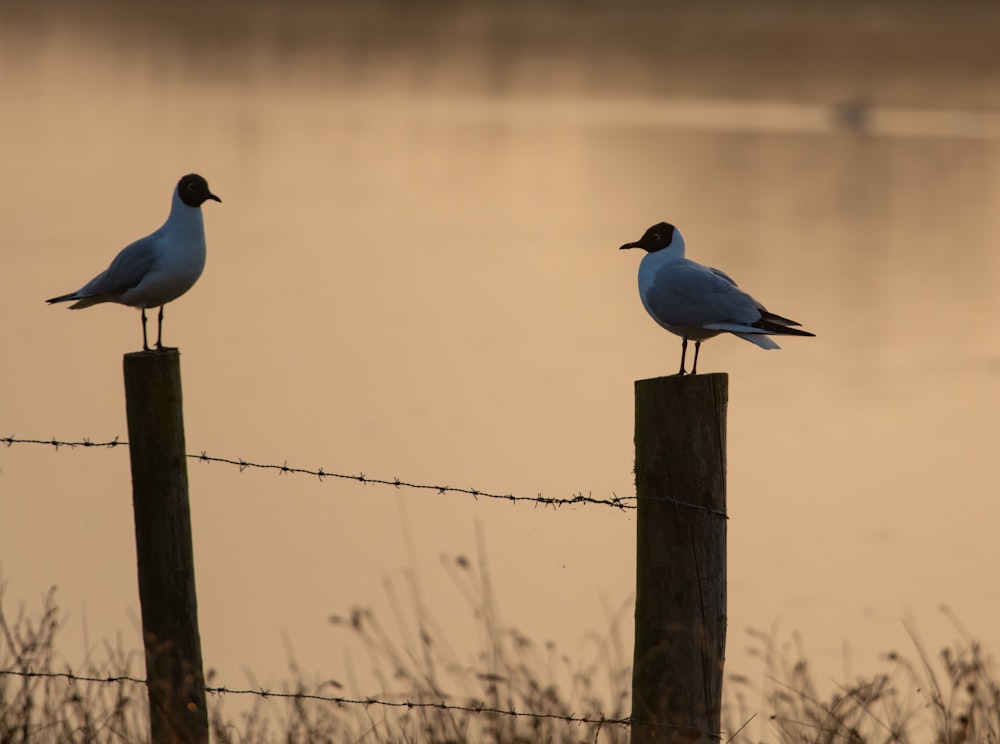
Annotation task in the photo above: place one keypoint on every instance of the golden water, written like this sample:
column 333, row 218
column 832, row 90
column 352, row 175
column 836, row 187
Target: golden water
column 414, row 272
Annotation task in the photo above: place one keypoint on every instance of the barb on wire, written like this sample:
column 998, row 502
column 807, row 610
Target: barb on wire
column 621, row 503
column 479, row 708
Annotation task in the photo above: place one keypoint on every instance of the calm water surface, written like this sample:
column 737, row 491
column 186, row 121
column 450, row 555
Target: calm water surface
column 415, row 273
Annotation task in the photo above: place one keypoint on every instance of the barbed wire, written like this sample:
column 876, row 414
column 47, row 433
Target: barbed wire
column 579, row 498
column 478, row 708
column 621, row 503
column 85, row 442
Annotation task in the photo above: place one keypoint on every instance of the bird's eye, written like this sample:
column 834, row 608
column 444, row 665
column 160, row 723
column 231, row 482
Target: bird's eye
column 655, row 236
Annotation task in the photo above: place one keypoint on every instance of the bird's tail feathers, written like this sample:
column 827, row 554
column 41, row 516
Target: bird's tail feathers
column 762, row 340
column 81, row 302
column 759, row 333
column 758, row 336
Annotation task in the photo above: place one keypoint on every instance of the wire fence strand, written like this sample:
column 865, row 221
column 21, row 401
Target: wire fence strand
column 477, row 708
column 622, row 503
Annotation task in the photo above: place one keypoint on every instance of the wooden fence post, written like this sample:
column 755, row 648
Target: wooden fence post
column 174, row 677
column 680, row 603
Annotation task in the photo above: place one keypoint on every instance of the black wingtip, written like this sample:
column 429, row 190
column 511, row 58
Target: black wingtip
column 779, row 325
column 768, row 316
column 780, row 330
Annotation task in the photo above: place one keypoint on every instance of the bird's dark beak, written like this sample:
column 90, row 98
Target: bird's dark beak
column 629, row 245
column 213, row 196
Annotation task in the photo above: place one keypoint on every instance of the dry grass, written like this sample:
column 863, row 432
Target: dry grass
column 412, row 660
column 37, row 709
column 949, row 698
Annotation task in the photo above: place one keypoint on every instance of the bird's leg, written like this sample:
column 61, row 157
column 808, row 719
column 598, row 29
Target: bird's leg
column 145, row 344
column 697, row 348
column 684, row 350
column 159, row 330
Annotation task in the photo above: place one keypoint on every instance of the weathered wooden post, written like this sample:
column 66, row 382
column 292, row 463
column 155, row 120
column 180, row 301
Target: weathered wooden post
column 174, row 676
column 680, row 603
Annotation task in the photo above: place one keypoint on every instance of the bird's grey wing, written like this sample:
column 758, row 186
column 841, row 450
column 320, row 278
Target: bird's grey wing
column 126, row 271
column 769, row 318
column 722, row 274
column 690, row 295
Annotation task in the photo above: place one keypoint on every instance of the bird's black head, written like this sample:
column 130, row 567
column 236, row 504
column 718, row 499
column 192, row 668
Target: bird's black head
column 656, row 238
column 193, row 190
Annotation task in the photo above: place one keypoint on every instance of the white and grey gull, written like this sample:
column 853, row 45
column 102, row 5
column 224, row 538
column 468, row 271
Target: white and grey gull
column 156, row 269
column 698, row 302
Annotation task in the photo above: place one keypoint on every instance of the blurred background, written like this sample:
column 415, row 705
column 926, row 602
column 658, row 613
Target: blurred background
column 415, row 273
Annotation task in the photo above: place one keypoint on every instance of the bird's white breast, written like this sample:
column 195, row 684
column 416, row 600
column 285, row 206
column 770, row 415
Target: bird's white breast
column 652, row 265
column 180, row 251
